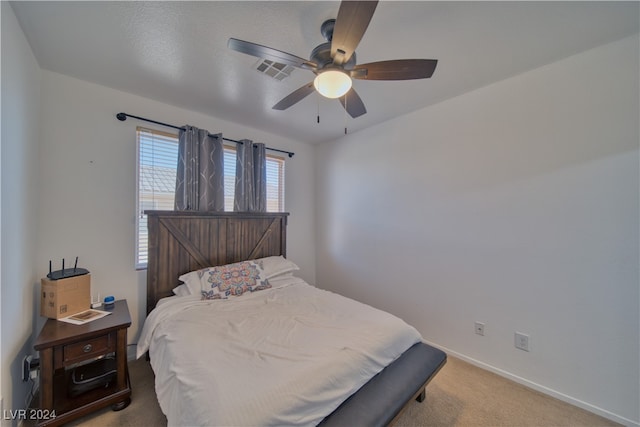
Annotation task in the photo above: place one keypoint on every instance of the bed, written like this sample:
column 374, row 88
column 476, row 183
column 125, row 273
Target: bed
column 373, row 394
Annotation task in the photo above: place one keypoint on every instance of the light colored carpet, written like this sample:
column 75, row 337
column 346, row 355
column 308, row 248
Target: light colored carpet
column 460, row 395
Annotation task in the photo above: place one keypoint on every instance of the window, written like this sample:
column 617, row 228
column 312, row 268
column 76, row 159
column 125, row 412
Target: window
column 157, row 160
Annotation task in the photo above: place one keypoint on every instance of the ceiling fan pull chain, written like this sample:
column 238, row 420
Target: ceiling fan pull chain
column 345, row 113
column 318, row 103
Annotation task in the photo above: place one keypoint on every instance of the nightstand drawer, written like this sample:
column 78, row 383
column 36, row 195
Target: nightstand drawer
column 88, row 349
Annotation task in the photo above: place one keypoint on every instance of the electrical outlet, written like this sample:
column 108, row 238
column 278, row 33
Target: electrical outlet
column 522, row 341
column 30, row 367
column 479, row 328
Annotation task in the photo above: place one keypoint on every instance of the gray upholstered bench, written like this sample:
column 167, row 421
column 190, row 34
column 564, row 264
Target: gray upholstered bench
column 381, row 399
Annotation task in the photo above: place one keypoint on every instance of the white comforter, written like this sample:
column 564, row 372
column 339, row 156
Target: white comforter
column 285, row 356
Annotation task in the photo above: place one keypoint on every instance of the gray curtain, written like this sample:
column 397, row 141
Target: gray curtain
column 251, row 178
column 200, row 175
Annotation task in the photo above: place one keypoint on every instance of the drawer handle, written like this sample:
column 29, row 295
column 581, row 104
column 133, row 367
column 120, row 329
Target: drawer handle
column 87, row 348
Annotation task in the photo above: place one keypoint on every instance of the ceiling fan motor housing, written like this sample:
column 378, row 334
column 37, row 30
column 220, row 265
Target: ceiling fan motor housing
column 321, row 55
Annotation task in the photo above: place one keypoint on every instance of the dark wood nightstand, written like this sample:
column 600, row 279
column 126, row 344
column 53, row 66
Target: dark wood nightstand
column 64, row 347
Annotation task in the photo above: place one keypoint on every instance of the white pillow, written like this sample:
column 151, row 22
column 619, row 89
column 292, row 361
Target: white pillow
column 181, row 290
column 191, row 282
column 276, row 265
column 283, row 280
column 273, row 266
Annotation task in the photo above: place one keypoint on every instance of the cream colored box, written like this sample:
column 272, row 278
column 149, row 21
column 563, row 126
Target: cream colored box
column 64, row 297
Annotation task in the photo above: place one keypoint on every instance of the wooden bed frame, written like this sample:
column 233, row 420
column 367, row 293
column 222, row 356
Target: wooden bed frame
column 180, row 242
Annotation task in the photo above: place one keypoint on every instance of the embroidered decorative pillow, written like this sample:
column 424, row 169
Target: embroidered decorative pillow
column 273, row 266
column 232, row 280
column 211, row 294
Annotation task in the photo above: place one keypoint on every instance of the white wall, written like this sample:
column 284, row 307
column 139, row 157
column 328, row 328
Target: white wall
column 515, row 205
column 88, row 184
column 19, row 178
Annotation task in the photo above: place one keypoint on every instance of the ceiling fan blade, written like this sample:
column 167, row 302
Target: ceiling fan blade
column 265, row 52
column 351, row 23
column 354, row 105
column 295, row 97
column 399, row 69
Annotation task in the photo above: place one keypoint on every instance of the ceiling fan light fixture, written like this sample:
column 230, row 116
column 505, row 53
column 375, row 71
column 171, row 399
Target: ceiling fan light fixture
column 332, row 83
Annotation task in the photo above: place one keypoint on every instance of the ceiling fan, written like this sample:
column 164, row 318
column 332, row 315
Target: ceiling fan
column 334, row 62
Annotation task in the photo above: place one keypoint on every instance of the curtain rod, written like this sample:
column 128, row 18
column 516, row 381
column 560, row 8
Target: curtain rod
column 123, row 116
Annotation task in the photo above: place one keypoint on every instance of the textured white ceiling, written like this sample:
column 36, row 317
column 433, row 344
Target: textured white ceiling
column 176, row 52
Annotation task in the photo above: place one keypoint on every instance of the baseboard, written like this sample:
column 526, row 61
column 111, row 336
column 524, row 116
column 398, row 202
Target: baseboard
column 542, row 389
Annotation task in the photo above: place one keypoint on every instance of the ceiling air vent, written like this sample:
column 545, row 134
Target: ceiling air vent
column 273, row 69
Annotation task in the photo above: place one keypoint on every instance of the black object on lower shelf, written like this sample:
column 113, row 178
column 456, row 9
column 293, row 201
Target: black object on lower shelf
column 99, row 374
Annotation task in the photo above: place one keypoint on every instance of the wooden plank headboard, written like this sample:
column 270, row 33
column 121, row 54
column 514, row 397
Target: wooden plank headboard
column 185, row 241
